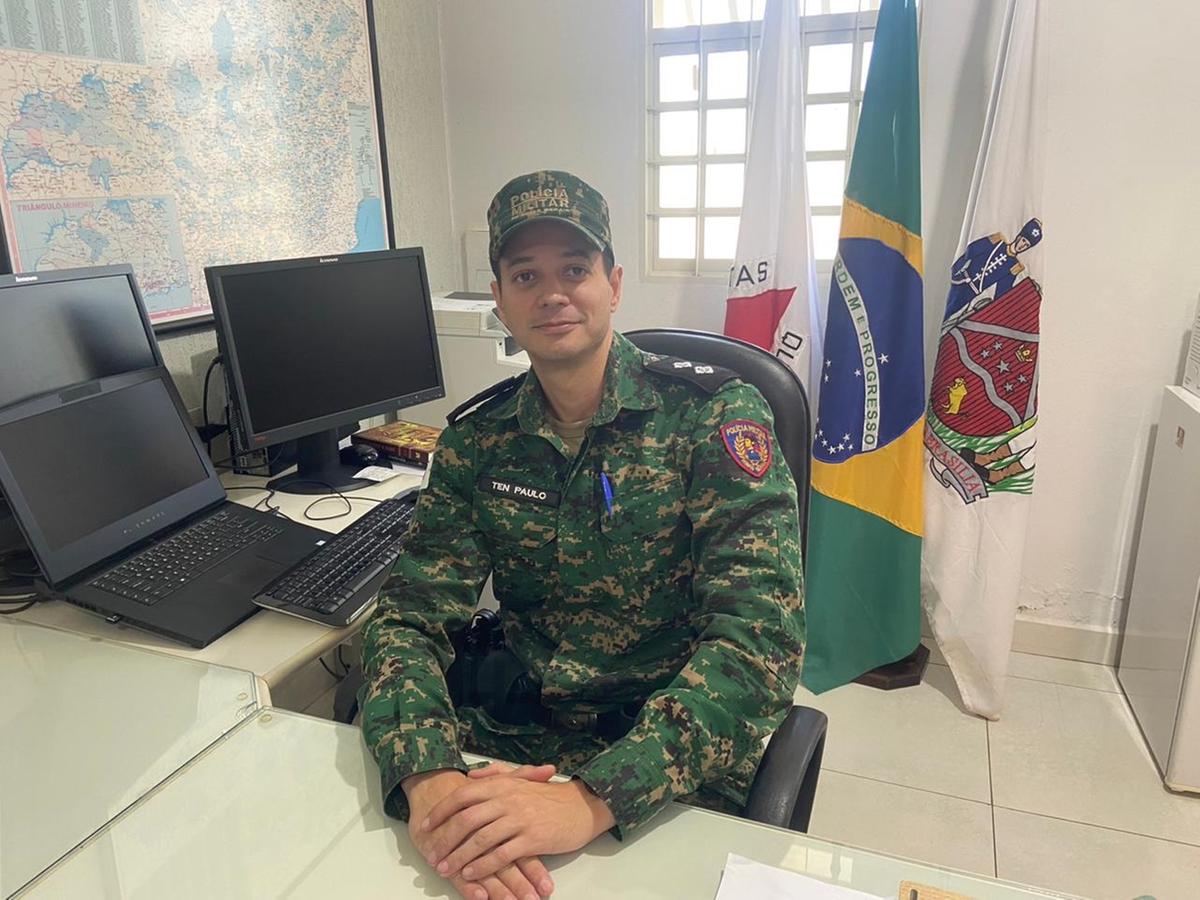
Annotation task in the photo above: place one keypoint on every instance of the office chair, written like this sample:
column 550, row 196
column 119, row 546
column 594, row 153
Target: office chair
column 785, row 785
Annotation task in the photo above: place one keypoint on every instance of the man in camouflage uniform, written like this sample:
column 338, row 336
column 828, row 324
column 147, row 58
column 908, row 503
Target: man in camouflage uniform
column 643, row 538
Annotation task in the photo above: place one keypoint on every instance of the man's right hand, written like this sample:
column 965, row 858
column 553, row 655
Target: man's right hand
column 527, row 879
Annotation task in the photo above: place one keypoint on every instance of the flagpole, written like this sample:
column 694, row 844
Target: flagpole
column 909, row 671
column 989, row 124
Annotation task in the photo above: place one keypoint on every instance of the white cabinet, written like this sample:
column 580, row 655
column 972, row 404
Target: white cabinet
column 1160, row 660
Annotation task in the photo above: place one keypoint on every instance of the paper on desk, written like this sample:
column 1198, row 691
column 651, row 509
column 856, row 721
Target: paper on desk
column 745, row 879
column 377, row 473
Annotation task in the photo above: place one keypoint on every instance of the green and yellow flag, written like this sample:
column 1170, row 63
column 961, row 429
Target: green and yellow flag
column 864, row 544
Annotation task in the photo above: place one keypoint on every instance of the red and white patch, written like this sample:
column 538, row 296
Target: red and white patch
column 749, row 443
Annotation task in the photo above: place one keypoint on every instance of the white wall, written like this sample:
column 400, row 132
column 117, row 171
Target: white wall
column 1122, row 280
column 560, row 83
column 414, row 123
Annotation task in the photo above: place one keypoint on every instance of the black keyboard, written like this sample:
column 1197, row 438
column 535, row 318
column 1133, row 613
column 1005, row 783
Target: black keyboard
column 164, row 568
column 334, row 583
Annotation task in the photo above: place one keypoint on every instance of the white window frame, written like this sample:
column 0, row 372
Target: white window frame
column 855, row 28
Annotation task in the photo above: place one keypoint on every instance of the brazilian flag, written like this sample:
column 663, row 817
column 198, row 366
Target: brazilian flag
column 864, row 539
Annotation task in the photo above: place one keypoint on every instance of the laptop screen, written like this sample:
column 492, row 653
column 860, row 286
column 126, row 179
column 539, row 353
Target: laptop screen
column 57, row 330
column 87, row 465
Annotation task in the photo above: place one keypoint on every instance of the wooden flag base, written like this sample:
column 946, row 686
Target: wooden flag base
column 906, row 672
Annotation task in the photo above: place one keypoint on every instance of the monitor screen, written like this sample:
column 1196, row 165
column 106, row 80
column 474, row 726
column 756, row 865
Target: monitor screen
column 319, row 342
column 137, row 454
column 66, row 328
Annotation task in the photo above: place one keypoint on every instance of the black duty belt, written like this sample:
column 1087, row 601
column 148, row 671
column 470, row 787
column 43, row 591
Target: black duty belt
column 488, row 675
column 611, row 725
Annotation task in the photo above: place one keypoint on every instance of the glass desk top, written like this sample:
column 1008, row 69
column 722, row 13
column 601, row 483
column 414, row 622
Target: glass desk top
column 87, row 727
column 289, row 806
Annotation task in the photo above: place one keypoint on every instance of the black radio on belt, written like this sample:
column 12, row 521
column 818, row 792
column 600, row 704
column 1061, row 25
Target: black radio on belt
column 488, row 675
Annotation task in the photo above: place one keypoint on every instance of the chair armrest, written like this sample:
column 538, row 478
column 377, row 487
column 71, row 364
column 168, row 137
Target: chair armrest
column 786, row 782
column 345, row 698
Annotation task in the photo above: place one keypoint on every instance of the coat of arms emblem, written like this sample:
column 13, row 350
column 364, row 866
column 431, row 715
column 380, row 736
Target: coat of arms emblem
column 983, row 399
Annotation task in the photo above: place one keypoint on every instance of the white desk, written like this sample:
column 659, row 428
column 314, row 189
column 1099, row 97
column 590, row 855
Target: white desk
column 88, row 727
column 289, row 806
column 271, row 645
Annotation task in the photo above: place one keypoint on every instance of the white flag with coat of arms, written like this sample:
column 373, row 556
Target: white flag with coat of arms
column 981, row 422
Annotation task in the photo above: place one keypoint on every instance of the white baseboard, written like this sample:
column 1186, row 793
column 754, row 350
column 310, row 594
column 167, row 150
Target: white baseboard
column 1093, row 645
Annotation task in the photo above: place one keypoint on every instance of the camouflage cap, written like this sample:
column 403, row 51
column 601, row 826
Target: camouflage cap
column 547, row 195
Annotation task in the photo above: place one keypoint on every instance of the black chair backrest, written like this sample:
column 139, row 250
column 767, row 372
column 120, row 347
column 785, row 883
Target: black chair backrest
column 783, row 390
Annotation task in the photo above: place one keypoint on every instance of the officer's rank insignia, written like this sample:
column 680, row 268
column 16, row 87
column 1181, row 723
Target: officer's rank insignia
column 749, row 444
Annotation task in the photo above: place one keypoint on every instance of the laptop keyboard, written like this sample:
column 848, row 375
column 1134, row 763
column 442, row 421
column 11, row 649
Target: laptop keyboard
column 319, row 586
column 164, row 568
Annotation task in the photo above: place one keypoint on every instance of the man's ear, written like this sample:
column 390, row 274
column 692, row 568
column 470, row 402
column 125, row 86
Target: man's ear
column 615, row 281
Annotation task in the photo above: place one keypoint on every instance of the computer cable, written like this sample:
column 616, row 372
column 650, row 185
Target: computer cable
column 273, row 510
column 27, row 602
column 333, row 674
column 17, row 573
column 345, row 498
column 265, row 502
column 333, row 492
column 11, row 576
column 208, row 430
column 16, row 585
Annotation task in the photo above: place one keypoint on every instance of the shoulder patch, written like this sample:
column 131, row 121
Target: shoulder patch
column 487, row 398
column 707, row 378
column 749, row 443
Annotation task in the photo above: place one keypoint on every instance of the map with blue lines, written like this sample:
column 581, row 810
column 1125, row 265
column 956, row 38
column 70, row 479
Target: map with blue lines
column 176, row 134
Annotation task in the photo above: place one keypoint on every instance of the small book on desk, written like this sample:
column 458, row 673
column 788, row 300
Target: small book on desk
column 405, row 441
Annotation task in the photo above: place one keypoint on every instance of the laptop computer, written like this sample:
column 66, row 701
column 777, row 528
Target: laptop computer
column 126, row 516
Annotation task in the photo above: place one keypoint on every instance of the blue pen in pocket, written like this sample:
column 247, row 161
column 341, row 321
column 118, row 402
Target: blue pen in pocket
column 606, row 486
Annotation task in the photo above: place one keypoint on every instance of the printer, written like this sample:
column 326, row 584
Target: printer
column 476, row 351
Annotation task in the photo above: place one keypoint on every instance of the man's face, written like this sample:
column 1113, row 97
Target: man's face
column 553, row 293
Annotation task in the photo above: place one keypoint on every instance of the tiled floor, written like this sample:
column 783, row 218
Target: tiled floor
column 1060, row 793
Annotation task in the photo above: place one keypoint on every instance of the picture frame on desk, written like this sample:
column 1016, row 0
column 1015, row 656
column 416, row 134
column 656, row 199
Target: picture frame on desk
column 54, row 215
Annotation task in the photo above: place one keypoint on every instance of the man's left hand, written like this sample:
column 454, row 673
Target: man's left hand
column 484, row 826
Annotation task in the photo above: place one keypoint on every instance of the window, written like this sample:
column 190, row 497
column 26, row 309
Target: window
column 702, row 56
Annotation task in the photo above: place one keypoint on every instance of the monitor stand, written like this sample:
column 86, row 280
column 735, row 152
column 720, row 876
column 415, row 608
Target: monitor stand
column 319, row 468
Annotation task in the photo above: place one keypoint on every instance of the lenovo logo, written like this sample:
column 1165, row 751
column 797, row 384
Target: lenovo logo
column 23, row 279
column 326, row 259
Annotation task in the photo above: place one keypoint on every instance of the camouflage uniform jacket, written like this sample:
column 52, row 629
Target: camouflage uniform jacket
column 686, row 597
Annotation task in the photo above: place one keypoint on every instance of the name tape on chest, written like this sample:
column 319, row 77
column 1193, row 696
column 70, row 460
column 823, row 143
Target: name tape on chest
column 522, row 493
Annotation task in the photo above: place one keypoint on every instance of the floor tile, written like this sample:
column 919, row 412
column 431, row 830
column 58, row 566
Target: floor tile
column 1077, row 754
column 1093, row 862
column 1063, row 671
column 917, row 737
column 933, row 828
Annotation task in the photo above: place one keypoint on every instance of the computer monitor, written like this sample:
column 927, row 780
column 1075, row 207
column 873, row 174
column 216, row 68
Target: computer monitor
column 311, row 344
column 64, row 327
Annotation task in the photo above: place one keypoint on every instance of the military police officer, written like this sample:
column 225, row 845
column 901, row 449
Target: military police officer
column 642, row 534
